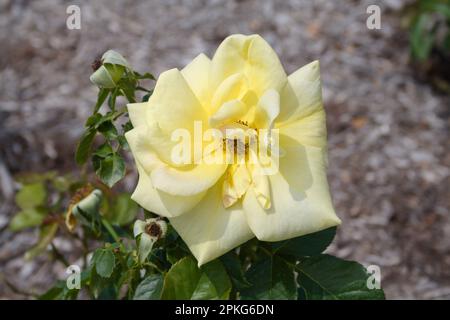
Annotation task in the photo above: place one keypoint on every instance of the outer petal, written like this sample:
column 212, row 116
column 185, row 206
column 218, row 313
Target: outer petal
column 253, row 55
column 302, row 95
column 309, row 131
column 142, row 150
column 160, row 202
column 210, row 230
column 301, row 202
column 173, row 105
column 269, row 109
column 163, row 145
column 196, row 74
column 187, row 182
column 145, row 193
column 302, row 116
column 137, row 113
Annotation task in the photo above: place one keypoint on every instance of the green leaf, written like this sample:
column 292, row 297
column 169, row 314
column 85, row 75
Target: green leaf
column 421, row 38
column 97, row 119
column 128, row 87
column 124, row 210
column 59, row 292
column 326, row 277
column 307, row 245
column 104, row 150
column 272, row 279
column 62, row 183
column 102, row 95
column 111, row 169
column 127, row 126
column 181, row 280
column 204, row 289
column 31, row 195
column 112, row 99
column 186, row 281
column 108, row 130
column 54, row 292
column 93, row 120
column 147, row 96
column 146, row 75
column 123, row 143
column 176, row 251
column 216, row 275
column 84, row 146
column 104, row 261
column 116, row 72
column 150, row 288
column 234, row 269
column 27, row 218
column 46, row 235
column 439, row 6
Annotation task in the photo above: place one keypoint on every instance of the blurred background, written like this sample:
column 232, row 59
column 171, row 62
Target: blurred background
column 386, row 95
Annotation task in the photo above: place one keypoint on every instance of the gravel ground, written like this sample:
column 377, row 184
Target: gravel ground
column 389, row 150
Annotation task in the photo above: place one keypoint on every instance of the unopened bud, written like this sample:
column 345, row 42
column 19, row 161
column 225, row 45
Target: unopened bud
column 109, row 69
column 84, row 208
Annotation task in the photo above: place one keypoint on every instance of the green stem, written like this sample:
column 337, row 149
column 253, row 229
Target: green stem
column 154, row 266
column 265, row 251
column 111, row 230
column 85, row 251
column 85, row 246
column 120, row 113
column 59, row 256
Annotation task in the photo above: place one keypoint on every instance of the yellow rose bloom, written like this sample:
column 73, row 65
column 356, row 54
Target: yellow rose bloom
column 216, row 207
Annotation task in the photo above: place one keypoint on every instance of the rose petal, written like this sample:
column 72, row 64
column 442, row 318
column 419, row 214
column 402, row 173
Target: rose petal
column 230, row 111
column 137, row 113
column 143, row 152
column 308, row 131
column 302, row 95
column 173, row 105
column 210, row 230
column 187, row 182
column 235, row 184
column 268, row 109
column 196, row 74
column 233, row 87
column 301, row 202
column 160, row 202
column 251, row 55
